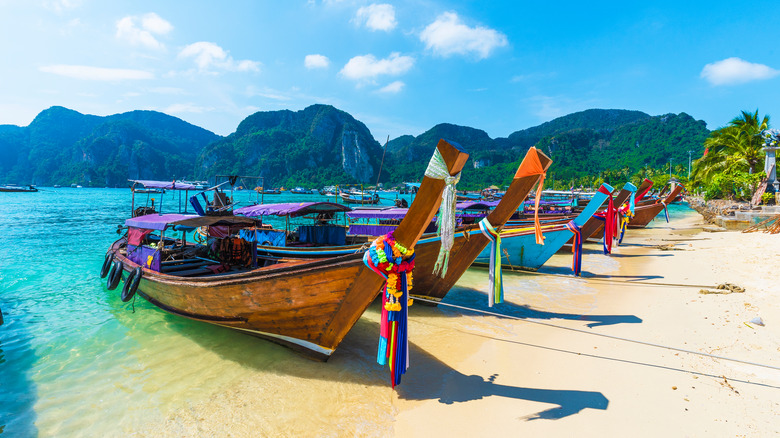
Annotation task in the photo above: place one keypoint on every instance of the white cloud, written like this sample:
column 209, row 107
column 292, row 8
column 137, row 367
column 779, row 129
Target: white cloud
column 316, row 61
column 736, row 71
column 96, row 73
column 392, row 88
column 61, row 5
column 140, row 31
column 377, row 17
column 209, row 55
column 367, row 67
column 448, row 36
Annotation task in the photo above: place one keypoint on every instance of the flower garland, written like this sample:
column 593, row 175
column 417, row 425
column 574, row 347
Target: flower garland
column 394, row 262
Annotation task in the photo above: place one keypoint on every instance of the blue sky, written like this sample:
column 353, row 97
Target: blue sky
column 400, row 67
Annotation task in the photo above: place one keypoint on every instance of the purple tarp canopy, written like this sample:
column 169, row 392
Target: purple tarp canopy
column 292, row 209
column 156, row 221
column 160, row 222
column 478, row 205
column 170, row 185
column 377, row 213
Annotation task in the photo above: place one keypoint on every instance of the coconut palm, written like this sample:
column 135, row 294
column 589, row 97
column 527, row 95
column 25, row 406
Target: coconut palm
column 735, row 147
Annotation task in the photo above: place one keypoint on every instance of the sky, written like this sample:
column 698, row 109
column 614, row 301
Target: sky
column 400, row 67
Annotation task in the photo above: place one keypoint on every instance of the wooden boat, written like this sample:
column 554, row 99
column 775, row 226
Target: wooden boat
column 308, row 305
column 360, row 198
column 12, row 188
column 595, row 228
column 645, row 213
column 522, row 251
column 469, row 240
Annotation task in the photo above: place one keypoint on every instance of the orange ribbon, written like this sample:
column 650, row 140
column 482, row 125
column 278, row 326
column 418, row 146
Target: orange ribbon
column 529, row 167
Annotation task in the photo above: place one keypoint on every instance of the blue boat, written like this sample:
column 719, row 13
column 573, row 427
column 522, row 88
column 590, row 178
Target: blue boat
column 518, row 245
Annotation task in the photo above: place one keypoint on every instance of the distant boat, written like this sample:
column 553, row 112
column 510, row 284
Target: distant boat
column 57, row 186
column 15, row 188
column 360, row 198
column 301, row 191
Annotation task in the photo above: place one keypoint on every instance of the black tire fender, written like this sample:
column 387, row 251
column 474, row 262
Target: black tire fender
column 131, row 284
column 106, row 265
column 114, row 275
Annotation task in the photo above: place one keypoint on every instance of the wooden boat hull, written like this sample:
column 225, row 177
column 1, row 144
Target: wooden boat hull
column 521, row 250
column 17, row 190
column 646, row 213
column 306, row 305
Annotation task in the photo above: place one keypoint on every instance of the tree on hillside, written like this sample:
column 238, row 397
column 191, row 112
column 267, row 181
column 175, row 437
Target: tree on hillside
column 733, row 148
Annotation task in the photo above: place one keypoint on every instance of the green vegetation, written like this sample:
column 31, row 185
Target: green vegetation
column 729, row 167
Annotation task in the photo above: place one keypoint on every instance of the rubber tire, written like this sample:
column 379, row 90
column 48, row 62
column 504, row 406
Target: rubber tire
column 131, row 284
column 106, row 265
column 115, row 275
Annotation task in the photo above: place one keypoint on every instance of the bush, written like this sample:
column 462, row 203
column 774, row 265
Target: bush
column 768, row 198
column 735, row 185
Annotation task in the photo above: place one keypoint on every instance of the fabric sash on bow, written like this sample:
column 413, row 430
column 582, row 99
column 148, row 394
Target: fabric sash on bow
column 496, row 293
column 437, row 168
column 627, row 212
column 666, row 211
column 642, row 194
column 610, row 225
column 532, row 166
column 576, row 248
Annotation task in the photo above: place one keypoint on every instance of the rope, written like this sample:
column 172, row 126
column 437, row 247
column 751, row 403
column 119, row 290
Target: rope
column 609, row 280
column 603, row 335
column 576, row 247
column 437, row 168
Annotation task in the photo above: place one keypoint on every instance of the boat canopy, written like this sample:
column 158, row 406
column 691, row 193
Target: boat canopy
column 169, row 185
column 378, row 213
column 292, row 209
column 163, row 221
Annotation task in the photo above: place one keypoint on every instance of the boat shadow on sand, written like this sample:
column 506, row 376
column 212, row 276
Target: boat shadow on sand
column 477, row 300
column 428, row 378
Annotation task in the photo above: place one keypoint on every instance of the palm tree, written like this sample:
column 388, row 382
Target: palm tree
column 735, row 147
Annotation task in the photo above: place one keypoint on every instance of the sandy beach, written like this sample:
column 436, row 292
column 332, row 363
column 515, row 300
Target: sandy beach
column 474, row 374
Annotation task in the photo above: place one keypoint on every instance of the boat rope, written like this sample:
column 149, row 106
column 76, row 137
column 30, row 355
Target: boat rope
column 603, row 335
column 495, row 276
column 627, row 282
column 437, row 168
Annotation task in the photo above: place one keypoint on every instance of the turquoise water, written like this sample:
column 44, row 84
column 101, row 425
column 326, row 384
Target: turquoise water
column 73, row 358
column 76, row 361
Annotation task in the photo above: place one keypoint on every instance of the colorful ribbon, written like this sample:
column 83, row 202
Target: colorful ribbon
column 395, row 263
column 532, row 166
column 495, row 275
column 576, row 247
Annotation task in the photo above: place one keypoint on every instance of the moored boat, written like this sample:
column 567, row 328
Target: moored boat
column 14, row 188
column 308, row 305
column 646, row 213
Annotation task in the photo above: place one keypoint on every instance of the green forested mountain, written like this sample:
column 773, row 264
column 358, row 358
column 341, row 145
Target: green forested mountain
column 316, row 146
column 62, row 146
column 322, row 145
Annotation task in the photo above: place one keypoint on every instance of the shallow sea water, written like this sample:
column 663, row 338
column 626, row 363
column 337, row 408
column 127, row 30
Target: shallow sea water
column 76, row 361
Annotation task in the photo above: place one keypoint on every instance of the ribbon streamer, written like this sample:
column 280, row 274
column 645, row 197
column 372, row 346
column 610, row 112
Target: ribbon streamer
column 437, row 168
column 576, row 248
column 495, row 275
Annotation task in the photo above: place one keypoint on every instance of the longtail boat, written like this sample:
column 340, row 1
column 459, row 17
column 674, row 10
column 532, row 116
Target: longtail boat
column 470, row 241
column 595, row 228
column 521, row 248
column 12, row 188
column 308, row 305
column 645, row 213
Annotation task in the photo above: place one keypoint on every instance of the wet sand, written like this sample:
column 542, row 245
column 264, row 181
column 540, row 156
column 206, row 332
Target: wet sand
column 473, row 374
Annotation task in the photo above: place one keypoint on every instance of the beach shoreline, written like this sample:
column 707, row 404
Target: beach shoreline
column 474, row 374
